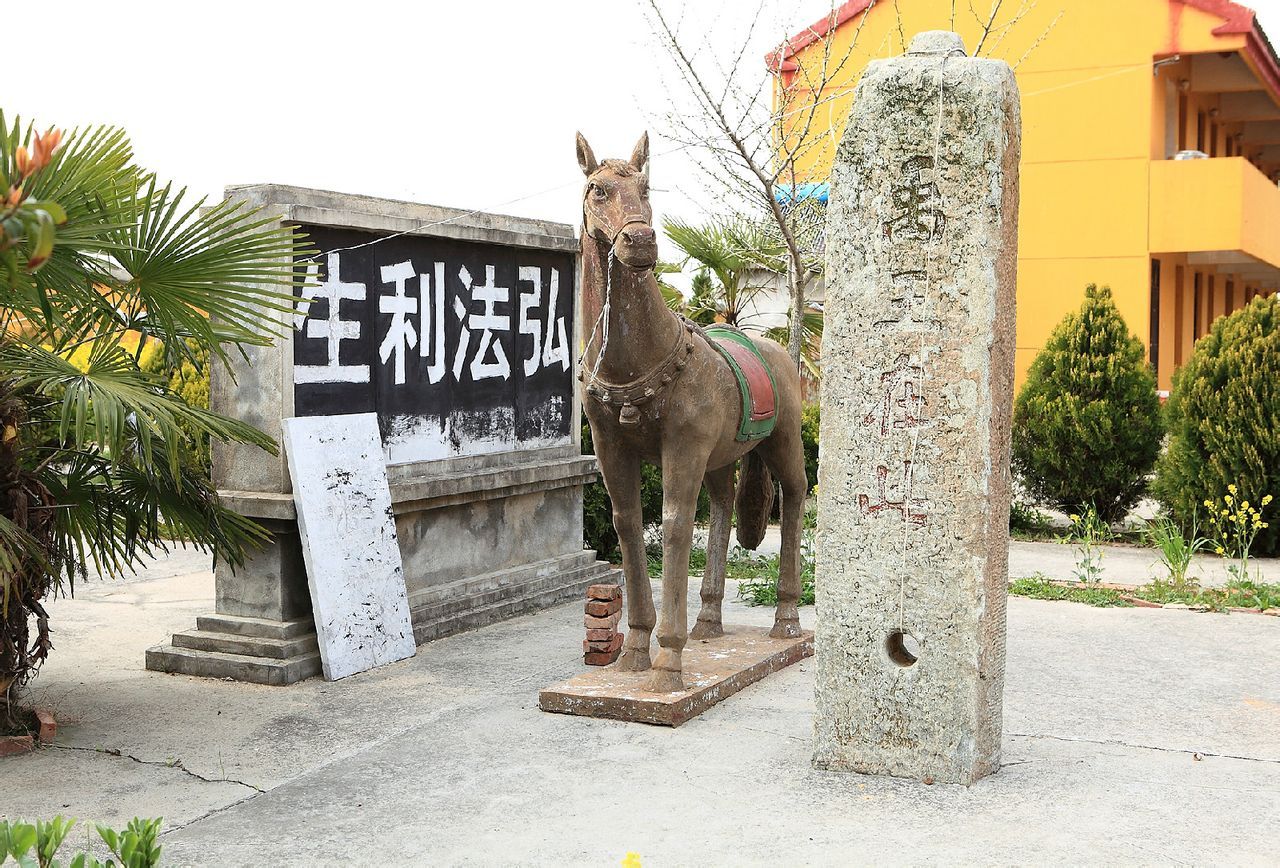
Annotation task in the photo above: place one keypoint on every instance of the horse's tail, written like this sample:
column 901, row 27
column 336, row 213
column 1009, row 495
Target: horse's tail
column 754, row 501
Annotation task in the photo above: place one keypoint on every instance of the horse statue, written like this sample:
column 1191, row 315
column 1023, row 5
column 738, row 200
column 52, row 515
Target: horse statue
column 658, row 388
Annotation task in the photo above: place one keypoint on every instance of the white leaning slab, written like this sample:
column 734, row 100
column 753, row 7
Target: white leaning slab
column 349, row 542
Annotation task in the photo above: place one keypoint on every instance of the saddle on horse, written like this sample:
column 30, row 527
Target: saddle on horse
column 755, row 381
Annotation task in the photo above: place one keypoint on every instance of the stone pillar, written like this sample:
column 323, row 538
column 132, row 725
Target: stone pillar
column 917, row 392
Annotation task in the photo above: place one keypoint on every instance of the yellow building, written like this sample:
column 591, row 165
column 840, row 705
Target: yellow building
column 1111, row 90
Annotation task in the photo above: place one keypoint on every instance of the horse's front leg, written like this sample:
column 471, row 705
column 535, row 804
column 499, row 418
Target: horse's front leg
column 621, row 470
column 681, row 482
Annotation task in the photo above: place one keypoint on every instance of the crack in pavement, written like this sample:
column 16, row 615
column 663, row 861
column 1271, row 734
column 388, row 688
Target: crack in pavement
column 1114, row 742
column 212, row 811
column 175, row 764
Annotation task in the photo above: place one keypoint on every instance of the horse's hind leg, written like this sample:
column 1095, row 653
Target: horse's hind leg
column 720, row 487
column 784, row 456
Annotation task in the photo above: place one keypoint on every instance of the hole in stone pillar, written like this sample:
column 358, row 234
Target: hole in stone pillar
column 903, row 649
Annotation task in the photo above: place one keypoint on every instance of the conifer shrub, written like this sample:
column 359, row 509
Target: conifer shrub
column 1086, row 425
column 1223, row 417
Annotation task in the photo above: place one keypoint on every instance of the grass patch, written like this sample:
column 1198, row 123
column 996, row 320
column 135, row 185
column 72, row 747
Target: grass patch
column 757, row 575
column 762, row 589
column 1039, row 587
column 1236, row 594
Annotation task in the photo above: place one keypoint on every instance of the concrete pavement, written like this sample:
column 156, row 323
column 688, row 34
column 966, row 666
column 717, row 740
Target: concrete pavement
column 1131, row 736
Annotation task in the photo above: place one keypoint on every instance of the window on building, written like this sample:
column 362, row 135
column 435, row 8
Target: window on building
column 1182, row 121
column 1153, row 343
column 1198, row 312
column 1179, row 315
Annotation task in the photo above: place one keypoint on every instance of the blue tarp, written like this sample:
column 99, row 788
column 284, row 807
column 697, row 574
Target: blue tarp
column 786, row 194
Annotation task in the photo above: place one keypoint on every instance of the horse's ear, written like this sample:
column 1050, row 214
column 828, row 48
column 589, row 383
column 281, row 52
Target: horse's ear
column 640, row 156
column 586, row 157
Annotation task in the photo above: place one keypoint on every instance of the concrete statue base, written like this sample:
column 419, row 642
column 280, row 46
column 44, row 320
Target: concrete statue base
column 714, row 669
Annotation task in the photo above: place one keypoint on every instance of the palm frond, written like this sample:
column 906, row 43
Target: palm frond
column 188, row 267
column 101, row 405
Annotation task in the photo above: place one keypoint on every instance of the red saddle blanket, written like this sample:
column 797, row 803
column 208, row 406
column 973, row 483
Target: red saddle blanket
column 755, row 381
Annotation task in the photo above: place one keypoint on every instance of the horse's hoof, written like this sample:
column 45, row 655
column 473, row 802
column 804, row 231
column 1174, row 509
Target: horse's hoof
column 664, row 681
column 788, row 628
column 634, row 660
column 706, row 630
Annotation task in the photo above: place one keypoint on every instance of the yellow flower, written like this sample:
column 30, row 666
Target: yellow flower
column 1228, row 499
column 1224, row 512
column 1232, row 488
column 1209, row 503
column 1074, row 518
column 1220, row 550
column 1267, row 499
column 1244, row 505
column 631, row 860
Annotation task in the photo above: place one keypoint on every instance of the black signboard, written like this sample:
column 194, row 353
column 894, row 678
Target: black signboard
column 461, row 348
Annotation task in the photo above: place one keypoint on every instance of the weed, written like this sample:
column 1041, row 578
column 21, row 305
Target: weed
column 1176, row 551
column 1087, row 531
column 1238, row 525
column 758, row 576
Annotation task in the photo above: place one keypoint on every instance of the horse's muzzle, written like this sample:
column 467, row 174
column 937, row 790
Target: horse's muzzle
column 637, row 246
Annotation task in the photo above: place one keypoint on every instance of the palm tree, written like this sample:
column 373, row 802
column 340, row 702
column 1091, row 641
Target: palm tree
column 737, row 261
column 99, row 260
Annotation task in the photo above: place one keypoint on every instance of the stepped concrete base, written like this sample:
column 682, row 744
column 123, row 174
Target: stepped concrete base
column 264, row 651
column 245, row 649
column 469, row 603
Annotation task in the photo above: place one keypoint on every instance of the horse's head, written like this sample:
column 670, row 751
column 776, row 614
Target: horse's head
column 615, row 204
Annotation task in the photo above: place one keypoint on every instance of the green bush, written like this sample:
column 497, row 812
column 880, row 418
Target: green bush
column 188, row 375
column 1223, row 417
column 810, row 422
column 38, row 843
column 1086, row 426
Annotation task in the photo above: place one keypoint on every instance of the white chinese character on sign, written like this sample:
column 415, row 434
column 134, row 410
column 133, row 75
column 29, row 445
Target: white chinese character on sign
column 400, row 336
column 550, row 350
column 486, row 323
column 333, row 328
column 433, row 324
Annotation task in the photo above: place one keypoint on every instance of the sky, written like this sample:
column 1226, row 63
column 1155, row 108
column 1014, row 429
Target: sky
column 463, row 103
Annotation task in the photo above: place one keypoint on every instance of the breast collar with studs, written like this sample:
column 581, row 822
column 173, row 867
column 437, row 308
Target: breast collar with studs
column 629, row 396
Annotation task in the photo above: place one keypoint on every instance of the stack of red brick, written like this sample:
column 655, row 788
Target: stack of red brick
column 604, row 610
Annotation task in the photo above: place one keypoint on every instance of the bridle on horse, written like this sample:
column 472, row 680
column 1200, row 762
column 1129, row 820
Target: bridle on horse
column 628, row 396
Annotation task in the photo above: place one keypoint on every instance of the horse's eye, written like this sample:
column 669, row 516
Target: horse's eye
column 644, row 192
column 598, row 192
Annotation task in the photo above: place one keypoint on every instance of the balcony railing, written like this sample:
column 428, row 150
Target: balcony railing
column 1222, row 204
